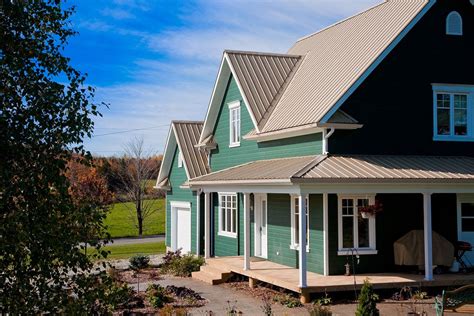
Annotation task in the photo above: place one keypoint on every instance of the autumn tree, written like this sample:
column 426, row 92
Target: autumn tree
column 46, row 110
column 135, row 185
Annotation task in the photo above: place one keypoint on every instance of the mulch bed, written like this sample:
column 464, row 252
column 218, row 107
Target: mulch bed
column 132, row 277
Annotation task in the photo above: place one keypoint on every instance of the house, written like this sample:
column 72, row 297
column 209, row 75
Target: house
column 376, row 108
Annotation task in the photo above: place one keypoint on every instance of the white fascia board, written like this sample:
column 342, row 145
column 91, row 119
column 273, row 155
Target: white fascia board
column 226, row 56
column 377, row 62
column 180, row 152
column 170, row 147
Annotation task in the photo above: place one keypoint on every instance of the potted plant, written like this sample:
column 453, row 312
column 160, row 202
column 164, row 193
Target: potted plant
column 371, row 210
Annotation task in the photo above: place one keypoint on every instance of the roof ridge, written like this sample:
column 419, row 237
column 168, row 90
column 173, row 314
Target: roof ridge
column 186, row 122
column 341, row 21
column 230, row 51
column 313, row 163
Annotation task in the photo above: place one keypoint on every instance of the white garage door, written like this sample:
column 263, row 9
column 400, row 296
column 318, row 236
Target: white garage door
column 181, row 226
column 183, row 230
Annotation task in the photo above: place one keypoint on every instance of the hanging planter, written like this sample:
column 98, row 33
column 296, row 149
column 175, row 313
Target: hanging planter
column 370, row 211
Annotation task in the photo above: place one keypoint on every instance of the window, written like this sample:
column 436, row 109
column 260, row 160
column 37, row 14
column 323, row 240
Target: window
column 295, row 224
column 454, row 24
column 228, row 214
column 452, row 113
column 467, row 217
column 180, row 160
column 355, row 232
column 234, row 119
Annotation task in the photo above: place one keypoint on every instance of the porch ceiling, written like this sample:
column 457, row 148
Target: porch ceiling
column 347, row 169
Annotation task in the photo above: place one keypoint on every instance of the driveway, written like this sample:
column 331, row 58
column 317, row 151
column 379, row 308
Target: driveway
column 138, row 240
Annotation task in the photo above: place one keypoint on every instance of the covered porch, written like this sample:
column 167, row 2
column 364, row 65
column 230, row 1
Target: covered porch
column 333, row 186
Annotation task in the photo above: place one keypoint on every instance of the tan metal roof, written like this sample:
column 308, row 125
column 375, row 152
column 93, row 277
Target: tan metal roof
column 373, row 168
column 187, row 136
column 335, row 59
column 274, row 169
column 262, row 76
column 348, row 169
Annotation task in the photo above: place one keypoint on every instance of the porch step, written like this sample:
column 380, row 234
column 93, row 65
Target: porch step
column 212, row 274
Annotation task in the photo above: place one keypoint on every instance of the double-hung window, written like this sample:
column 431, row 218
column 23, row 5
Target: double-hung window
column 234, row 121
column 295, row 222
column 228, row 214
column 355, row 232
column 453, row 117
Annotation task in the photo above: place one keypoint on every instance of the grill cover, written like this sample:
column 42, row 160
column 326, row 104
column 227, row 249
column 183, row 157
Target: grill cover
column 409, row 250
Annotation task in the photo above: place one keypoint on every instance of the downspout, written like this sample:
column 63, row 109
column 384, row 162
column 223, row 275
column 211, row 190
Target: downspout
column 326, row 135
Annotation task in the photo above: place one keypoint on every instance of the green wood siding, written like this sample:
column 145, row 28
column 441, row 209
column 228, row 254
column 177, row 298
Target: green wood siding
column 224, row 156
column 177, row 177
column 279, row 232
column 402, row 213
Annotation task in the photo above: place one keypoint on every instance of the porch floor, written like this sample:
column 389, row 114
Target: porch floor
column 288, row 278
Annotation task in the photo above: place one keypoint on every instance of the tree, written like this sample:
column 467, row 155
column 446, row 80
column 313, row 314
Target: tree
column 46, row 110
column 139, row 170
column 367, row 301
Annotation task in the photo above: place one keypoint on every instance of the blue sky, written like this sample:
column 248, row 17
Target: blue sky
column 155, row 61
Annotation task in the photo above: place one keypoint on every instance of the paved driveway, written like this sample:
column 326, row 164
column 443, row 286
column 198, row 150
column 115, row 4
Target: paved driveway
column 138, row 240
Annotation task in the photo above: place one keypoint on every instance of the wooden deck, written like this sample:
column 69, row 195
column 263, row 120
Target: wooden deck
column 288, row 278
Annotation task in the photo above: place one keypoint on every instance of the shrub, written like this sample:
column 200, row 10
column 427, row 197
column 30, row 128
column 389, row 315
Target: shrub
column 157, row 295
column 169, row 310
column 183, row 292
column 367, row 301
column 119, row 295
column 138, row 262
column 181, row 266
column 324, row 301
column 287, row 300
column 171, row 256
column 267, row 305
column 319, row 310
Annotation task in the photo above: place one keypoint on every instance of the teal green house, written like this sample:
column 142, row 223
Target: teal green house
column 334, row 151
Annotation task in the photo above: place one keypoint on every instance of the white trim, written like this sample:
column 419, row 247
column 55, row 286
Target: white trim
column 451, row 90
column 458, row 16
column 221, row 231
column 180, row 204
column 234, row 106
column 258, row 198
column 428, row 236
column 180, row 150
column 360, row 251
column 294, row 245
column 377, row 61
column 302, row 240
column 207, row 225
column 246, row 231
column 174, row 206
column 326, row 233
column 167, row 156
column 198, row 220
column 372, row 249
column 180, row 159
column 462, row 198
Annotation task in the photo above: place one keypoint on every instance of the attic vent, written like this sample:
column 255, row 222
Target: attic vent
column 454, row 24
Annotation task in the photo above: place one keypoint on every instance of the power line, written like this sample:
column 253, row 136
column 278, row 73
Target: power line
column 130, row 130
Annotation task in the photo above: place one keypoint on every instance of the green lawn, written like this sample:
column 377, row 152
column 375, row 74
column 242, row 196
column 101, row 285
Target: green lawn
column 120, row 225
column 127, row 251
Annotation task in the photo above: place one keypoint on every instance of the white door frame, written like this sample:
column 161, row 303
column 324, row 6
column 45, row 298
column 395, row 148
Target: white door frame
column 174, row 206
column 258, row 240
column 462, row 198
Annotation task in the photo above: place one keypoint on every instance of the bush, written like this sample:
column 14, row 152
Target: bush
column 367, row 301
column 287, row 300
column 157, row 296
column 183, row 266
column 319, row 310
column 138, row 262
column 119, row 295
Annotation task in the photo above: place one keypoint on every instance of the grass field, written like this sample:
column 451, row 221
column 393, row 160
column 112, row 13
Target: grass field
column 127, row 251
column 121, row 225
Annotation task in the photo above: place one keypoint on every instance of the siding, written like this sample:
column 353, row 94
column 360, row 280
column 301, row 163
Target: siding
column 223, row 156
column 177, row 178
column 402, row 213
column 279, row 232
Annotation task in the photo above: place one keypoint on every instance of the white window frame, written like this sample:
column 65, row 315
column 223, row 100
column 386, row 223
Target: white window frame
column 180, row 159
column 222, row 214
column 453, row 89
column 234, row 107
column 458, row 16
column 295, row 239
column 372, row 249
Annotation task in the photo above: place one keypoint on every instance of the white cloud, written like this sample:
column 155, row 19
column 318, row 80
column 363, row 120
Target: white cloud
column 178, row 85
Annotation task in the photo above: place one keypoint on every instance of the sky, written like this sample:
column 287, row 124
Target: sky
column 154, row 61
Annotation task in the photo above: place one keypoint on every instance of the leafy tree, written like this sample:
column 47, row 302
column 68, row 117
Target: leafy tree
column 46, row 110
column 367, row 301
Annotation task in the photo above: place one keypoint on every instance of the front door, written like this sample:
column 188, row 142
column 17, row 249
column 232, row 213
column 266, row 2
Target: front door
column 466, row 222
column 260, row 203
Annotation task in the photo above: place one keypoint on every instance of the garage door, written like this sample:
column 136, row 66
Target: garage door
column 183, row 229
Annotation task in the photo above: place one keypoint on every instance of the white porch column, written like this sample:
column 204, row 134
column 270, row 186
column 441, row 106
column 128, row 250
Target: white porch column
column 326, row 234
column 428, row 236
column 302, row 240
column 246, row 231
column 198, row 219
column 207, row 225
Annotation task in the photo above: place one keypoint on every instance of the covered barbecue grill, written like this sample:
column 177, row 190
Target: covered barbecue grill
column 409, row 250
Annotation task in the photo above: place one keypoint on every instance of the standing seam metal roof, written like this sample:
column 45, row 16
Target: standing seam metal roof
column 187, row 135
column 335, row 58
